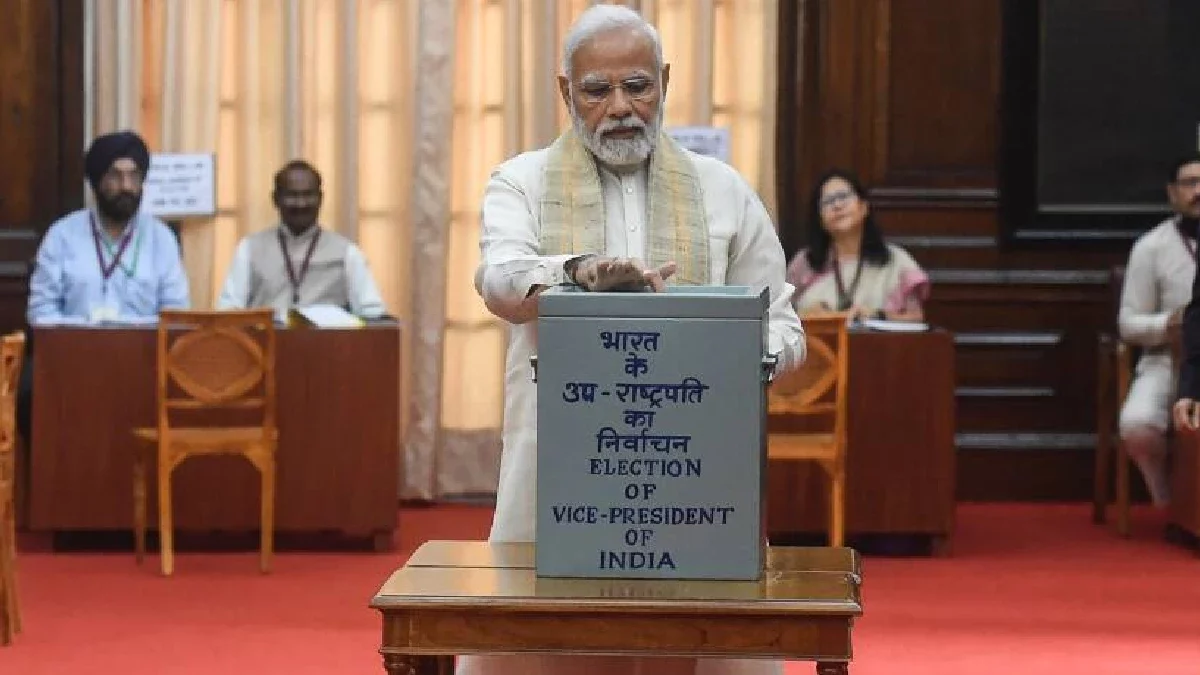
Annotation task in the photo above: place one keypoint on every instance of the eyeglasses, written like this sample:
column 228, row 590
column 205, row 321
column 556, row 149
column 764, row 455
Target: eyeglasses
column 1190, row 182
column 837, row 198
column 636, row 88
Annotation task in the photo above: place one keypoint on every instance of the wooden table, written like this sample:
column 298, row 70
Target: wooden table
column 465, row 597
column 338, row 456
column 900, row 473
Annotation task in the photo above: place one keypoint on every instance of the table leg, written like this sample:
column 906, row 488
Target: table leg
column 383, row 542
column 940, row 545
column 407, row 664
column 833, row 668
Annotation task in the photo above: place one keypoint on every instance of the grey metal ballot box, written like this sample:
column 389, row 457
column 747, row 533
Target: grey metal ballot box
column 651, row 455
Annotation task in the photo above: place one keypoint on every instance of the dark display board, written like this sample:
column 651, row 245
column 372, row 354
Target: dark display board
column 1099, row 97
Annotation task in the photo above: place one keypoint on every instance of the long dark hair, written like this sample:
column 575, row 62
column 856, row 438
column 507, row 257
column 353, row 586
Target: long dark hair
column 873, row 249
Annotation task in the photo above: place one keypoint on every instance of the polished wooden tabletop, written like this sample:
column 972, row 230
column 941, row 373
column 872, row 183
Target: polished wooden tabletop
column 458, row 597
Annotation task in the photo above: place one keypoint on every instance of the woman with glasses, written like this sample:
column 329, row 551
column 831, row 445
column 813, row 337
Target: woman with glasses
column 848, row 267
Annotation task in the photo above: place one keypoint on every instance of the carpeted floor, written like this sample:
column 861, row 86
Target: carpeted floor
column 1030, row 589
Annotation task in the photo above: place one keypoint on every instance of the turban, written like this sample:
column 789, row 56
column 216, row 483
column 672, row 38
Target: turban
column 108, row 148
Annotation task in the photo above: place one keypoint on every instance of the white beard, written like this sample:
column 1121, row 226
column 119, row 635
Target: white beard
column 619, row 151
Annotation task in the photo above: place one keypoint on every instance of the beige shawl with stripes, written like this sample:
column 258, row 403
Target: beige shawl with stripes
column 572, row 208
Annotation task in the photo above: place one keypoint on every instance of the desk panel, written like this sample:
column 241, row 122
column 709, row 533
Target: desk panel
column 1185, row 483
column 900, row 473
column 338, row 455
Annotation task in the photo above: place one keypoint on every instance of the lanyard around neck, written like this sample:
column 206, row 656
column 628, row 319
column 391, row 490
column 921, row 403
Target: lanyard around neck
column 106, row 270
column 298, row 278
column 846, row 299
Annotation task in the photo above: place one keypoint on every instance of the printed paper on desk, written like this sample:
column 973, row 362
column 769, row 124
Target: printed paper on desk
column 123, row 320
column 895, row 326
column 328, row 316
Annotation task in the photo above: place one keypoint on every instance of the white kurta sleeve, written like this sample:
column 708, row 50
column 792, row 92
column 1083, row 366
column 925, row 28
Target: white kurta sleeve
column 1142, row 320
column 235, row 294
column 510, row 267
column 756, row 260
column 365, row 299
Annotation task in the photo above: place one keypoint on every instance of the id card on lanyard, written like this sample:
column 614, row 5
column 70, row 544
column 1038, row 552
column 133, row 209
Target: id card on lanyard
column 109, row 310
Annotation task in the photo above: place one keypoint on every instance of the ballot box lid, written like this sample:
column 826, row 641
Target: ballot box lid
column 678, row 302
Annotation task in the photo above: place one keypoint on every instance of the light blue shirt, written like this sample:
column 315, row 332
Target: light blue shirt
column 68, row 283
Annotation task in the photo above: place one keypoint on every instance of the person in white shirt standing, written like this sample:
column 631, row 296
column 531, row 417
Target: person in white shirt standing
column 613, row 204
column 299, row 263
column 1158, row 286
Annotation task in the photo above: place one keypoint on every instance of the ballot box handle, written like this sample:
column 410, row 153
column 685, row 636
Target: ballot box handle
column 769, row 362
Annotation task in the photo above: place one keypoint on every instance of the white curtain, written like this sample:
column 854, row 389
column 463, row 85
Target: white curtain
column 404, row 106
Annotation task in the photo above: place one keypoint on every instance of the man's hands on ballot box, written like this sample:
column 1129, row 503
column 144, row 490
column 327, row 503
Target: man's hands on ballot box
column 601, row 273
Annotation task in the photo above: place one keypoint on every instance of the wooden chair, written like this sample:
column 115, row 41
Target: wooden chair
column 1114, row 372
column 817, row 389
column 1115, row 365
column 12, row 352
column 206, row 361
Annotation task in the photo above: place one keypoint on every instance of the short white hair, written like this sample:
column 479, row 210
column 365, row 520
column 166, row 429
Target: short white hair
column 603, row 18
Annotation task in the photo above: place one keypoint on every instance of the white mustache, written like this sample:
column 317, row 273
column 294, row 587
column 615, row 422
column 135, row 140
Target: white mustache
column 614, row 125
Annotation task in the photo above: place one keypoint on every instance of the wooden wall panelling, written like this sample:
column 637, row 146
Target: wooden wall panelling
column 793, row 51
column 70, row 110
column 936, row 73
column 1022, row 363
column 907, row 93
column 41, row 118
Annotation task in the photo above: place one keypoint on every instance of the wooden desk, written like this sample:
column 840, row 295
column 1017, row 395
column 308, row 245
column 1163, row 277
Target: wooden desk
column 1185, row 482
column 900, row 474
column 458, row 597
column 338, row 456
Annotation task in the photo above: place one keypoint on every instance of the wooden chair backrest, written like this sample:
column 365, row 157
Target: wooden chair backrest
column 818, row 386
column 1125, row 354
column 209, row 360
column 1116, row 285
column 12, row 353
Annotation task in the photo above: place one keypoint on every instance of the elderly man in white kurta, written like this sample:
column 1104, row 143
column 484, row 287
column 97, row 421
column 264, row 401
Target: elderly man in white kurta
column 608, row 194
column 1158, row 286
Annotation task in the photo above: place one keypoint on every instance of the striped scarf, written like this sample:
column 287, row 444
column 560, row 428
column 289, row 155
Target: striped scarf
column 572, row 208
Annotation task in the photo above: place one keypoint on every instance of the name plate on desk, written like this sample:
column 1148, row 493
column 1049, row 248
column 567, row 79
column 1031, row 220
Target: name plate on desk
column 651, row 449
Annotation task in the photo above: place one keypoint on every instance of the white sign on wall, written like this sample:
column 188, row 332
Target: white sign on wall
column 710, row 141
column 181, row 185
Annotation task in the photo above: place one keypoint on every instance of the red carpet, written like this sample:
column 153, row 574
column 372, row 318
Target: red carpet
column 1030, row 589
